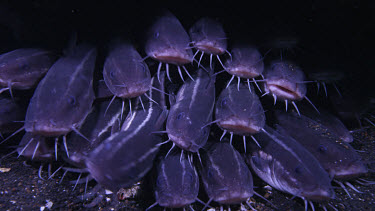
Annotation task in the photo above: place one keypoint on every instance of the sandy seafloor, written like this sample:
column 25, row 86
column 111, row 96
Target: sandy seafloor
column 337, row 34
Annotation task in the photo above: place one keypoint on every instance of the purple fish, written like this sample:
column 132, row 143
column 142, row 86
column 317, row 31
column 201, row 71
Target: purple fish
column 63, row 98
column 23, row 68
column 168, row 42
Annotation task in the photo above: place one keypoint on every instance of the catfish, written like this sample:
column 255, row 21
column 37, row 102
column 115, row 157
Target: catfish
column 177, row 182
column 126, row 156
column 337, row 157
column 287, row 166
column 64, row 97
column 125, row 73
column 12, row 113
column 208, row 36
column 168, row 43
column 246, row 62
column 96, row 128
column 285, row 81
column 224, row 173
column 239, row 112
column 23, row 68
column 188, row 118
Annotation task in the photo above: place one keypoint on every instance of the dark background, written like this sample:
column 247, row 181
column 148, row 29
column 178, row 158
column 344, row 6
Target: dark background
column 337, row 35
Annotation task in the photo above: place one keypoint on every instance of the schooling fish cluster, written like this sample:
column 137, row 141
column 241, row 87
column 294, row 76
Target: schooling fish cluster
column 116, row 133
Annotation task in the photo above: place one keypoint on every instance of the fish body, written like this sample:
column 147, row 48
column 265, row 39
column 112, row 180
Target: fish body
column 96, row 127
column 125, row 73
column 168, row 42
column 11, row 115
column 23, row 68
column 126, row 156
column 287, row 166
column 148, row 109
column 337, row 157
column 225, row 175
column 64, row 97
column 246, row 62
column 285, row 80
column 239, row 111
column 208, row 35
column 331, row 122
column 177, row 182
column 102, row 90
column 188, row 117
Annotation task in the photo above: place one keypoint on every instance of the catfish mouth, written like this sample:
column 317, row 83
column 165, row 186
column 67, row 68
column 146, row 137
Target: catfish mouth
column 172, row 202
column 239, row 126
column 356, row 169
column 184, row 144
column 172, row 56
column 243, row 71
column 209, row 47
column 130, row 89
column 134, row 91
column 18, row 84
column 233, row 197
column 285, row 89
column 47, row 129
column 320, row 194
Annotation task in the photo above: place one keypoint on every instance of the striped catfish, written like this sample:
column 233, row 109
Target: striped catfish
column 225, row 175
column 337, row 157
column 64, row 97
column 287, row 166
column 168, row 42
column 177, row 182
column 126, row 156
column 192, row 111
column 23, row 68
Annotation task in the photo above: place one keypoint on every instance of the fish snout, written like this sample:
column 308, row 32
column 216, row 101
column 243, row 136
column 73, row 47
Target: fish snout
column 321, row 193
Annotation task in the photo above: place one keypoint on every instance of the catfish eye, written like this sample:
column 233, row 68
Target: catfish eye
column 72, row 100
column 156, row 34
column 223, row 102
column 298, row 170
column 180, row 115
column 25, row 67
column 322, row 148
column 210, row 174
column 112, row 75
